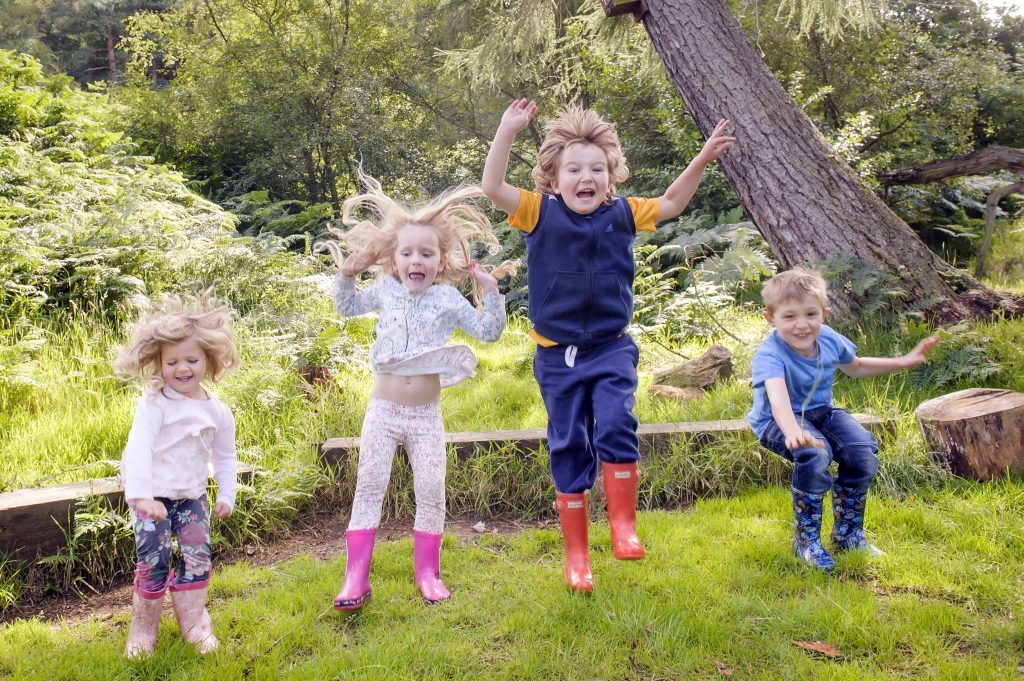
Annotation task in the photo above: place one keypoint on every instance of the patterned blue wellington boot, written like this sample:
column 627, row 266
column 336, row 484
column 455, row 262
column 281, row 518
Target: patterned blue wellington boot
column 848, row 530
column 807, row 538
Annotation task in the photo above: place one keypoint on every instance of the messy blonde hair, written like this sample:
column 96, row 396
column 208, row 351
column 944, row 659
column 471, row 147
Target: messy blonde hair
column 173, row 321
column 794, row 284
column 453, row 217
column 577, row 125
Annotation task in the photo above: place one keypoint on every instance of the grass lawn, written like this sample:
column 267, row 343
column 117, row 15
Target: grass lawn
column 719, row 584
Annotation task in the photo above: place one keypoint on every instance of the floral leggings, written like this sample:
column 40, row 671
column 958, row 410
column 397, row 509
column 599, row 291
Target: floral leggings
column 421, row 429
column 189, row 521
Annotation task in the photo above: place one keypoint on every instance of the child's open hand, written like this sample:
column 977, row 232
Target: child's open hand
column 151, row 508
column 222, row 510
column 482, row 277
column 357, row 263
column 518, row 115
column 921, row 350
column 802, row 438
column 717, row 144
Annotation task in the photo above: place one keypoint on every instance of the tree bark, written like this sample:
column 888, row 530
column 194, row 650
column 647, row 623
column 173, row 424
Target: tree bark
column 807, row 203
column 981, row 162
column 978, row 433
column 991, row 205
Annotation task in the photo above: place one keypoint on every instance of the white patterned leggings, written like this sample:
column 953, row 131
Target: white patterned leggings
column 421, row 429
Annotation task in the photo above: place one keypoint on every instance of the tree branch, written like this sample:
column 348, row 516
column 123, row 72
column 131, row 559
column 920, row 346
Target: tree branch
column 981, row 162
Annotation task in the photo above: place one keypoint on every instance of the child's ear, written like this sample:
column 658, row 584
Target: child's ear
column 768, row 317
column 825, row 312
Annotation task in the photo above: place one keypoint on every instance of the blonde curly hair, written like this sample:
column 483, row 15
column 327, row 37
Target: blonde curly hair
column 452, row 216
column 173, row 321
column 576, row 125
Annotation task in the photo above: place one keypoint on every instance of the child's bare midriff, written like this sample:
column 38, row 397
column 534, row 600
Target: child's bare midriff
column 408, row 390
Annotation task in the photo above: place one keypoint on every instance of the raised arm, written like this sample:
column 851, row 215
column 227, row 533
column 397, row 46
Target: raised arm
column 679, row 193
column 863, row 367
column 515, row 119
column 347, row 300
column 782, row 412
column 488, row 323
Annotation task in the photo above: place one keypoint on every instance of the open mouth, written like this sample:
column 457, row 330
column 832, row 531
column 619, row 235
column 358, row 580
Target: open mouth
column 585, row 194
column 417, row 276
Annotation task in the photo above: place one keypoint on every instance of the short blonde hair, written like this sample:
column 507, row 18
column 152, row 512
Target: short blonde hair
column 453, row 217
column 174, row 320
column 577, row 125
column 793, row 284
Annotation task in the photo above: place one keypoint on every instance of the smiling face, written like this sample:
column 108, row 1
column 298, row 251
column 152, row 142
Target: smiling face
column 183, row 367
column 798, row 321
column 582, row 179
column 417, row 257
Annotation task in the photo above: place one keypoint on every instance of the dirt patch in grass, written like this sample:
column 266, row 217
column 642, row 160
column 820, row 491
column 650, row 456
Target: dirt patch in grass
column 320, row 535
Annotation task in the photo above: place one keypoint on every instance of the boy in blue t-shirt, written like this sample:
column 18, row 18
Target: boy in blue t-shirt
column 793, row 414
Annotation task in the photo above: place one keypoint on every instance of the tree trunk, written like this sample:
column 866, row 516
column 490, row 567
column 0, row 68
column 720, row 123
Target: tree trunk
column 807, row 203
column 111, row 57
column 978, row 433
column 991, row 204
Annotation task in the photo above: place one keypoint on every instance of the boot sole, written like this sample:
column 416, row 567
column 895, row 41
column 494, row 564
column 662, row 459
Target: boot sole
column 353, row 603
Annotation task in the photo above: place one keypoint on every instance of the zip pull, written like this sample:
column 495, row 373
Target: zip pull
column 570, row 356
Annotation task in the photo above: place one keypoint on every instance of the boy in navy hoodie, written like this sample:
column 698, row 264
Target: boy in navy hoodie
column 580, row 272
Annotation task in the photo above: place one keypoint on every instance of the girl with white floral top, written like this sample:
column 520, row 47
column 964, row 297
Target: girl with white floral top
column 421, row 255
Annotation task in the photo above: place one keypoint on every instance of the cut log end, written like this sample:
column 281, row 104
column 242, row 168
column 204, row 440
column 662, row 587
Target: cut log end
column 978, row 433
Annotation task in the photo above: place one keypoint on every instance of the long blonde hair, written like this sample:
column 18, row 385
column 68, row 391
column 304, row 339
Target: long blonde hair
column 173, row 321
column 452, row 215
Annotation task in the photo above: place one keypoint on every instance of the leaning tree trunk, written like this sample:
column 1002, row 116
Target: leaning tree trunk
column 807, row 203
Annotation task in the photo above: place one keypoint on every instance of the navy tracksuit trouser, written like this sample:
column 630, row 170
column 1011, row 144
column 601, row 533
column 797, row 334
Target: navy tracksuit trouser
column 589, row 394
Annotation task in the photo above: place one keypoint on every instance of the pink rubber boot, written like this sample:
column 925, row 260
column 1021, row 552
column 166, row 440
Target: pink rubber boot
column 193, row 618
column 356, row 588
column 426, row 558
column 144, row 626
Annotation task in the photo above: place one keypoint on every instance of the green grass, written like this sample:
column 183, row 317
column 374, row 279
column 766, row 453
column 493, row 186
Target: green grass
column 69, row 417
column 719, row 583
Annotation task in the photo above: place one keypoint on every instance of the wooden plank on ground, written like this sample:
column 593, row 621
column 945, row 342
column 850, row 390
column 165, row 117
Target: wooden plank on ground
column 654, row 437
column 34, row 521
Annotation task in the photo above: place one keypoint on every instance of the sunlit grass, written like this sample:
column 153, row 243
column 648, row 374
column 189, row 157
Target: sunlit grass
column 720, row 583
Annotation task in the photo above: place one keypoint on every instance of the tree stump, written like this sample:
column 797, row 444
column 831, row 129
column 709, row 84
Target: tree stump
column 978, row 433
column 699, row 372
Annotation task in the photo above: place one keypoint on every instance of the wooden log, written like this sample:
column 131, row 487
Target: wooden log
column 670, row 392
column 615, row 7
column 978, row 433
column 655, row 438
column 699, row 372
column 35, row 521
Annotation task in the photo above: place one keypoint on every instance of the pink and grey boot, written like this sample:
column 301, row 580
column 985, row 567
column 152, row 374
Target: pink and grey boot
column 426, row 558
column 356, row 588
column 145, row 624
column 193, row 618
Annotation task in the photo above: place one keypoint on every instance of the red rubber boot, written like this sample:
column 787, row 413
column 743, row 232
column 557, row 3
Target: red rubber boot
column 572, row 515
column 620, row 480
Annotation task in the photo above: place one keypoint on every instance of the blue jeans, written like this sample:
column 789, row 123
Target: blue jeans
column 846, row 442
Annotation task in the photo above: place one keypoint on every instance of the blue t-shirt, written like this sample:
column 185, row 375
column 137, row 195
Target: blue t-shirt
column 809, row 381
